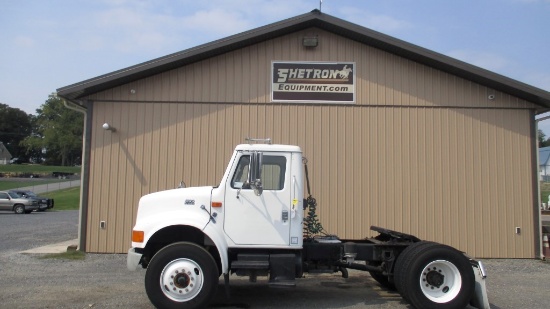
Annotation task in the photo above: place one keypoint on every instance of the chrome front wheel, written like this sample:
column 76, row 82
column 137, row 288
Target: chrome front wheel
column 181, row 275
column 181, row 280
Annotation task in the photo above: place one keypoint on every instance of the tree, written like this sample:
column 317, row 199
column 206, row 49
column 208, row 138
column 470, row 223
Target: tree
column 58, row 131
column 15, row 125
column 543, row 141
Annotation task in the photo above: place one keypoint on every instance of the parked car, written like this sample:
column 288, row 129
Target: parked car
column 12, row 201
column 43, row 202
column 16, row 161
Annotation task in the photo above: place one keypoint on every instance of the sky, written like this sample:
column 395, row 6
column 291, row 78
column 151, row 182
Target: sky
column 49, row 44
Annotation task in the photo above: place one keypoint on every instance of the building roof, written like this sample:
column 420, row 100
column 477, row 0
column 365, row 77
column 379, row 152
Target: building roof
column 312, row 19
column 544, row 156
column 4, row 152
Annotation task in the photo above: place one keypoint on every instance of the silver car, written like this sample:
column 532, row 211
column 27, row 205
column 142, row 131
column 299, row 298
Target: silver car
column 11, row 201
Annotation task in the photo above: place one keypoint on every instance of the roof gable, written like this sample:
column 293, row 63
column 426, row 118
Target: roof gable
column 4, row 152
column 544, row 155
column 322, row 21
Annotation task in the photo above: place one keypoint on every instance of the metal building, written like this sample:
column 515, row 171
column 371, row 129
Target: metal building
column 396, row 135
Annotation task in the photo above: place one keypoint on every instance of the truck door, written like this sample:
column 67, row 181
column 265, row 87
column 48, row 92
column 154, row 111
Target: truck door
column 259, row 220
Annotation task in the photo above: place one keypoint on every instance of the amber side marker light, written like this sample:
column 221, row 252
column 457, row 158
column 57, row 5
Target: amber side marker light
column 137, row 236
column 216, row 204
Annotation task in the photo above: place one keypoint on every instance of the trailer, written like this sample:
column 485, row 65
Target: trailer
column 256, row 222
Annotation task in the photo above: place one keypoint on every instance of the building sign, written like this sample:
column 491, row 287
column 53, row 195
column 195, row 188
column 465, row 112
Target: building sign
column 313, row 82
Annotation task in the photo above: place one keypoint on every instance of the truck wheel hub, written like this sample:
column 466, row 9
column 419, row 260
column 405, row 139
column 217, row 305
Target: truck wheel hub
column 181, row 280
column 440, row 281
column 435, row 278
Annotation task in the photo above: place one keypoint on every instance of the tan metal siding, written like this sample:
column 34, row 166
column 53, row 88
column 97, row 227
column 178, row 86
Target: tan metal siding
column 422, row 151
column 244, row 76
column 443, row 174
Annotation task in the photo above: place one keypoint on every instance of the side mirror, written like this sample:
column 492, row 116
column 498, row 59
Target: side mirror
column 255, row 172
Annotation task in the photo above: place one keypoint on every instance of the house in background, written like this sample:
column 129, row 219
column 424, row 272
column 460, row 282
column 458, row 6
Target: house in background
column 544, row 163
column 5, row 155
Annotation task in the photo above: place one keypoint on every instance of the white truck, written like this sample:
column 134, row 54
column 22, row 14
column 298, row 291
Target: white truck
column 254, row 224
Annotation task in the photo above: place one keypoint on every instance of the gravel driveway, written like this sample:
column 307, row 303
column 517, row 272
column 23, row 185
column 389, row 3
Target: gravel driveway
column 102, row 281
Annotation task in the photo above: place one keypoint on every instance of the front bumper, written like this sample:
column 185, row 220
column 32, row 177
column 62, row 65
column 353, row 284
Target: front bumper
column 132, row 259
column 42, row 206
column 31, row 207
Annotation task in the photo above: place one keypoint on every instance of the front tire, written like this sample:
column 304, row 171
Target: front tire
column 432, row 276
column 19, row 209
column 181, row 275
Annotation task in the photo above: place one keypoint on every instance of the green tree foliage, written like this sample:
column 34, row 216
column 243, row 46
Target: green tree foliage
column 58, row 130
column 15, row 125
column 543, row 141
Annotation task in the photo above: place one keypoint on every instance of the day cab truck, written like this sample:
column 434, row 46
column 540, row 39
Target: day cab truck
column 255, row 223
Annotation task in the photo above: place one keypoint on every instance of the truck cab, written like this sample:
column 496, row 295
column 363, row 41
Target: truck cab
column 252, row 224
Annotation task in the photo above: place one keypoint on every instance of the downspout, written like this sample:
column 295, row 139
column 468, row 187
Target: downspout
column 538, row 184
column 83, row 167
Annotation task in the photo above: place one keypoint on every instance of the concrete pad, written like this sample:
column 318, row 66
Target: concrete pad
column 54, row 248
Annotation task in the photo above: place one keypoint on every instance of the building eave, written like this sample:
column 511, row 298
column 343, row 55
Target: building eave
column 323, row 21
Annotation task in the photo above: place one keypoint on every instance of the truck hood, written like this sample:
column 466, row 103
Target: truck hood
column 175, row 200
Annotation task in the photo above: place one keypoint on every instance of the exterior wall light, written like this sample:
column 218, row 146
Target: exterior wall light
column 108, row 127
column 310, row 41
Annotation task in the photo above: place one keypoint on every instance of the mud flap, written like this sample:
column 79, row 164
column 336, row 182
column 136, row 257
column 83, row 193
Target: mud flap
column 480, row 299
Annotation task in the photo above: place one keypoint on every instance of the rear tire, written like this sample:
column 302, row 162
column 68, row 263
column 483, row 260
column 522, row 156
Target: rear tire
column 432, row 276
column 181, row 275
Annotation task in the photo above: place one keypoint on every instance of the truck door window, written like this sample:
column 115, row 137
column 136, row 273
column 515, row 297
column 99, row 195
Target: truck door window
column 3, row 196
column 241, row 173
column 273, row 173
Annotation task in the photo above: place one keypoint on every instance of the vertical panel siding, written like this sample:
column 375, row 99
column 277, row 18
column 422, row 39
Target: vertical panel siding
column 421, row 151
column 447, row 175
column 244, row 76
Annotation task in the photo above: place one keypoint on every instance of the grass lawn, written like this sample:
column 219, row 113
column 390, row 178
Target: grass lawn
column 6, row 183
column 37, row 168
column 66, row 199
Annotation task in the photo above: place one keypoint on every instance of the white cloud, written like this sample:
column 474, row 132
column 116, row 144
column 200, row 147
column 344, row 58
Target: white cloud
column 382, row 23
column 501, row 65
column 162, row 27
column 24, row 42
column 486, row 60
column 540, row 80
column 215, row 21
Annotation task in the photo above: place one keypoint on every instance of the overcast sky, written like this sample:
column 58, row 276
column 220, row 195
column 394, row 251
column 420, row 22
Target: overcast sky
column 45, row 45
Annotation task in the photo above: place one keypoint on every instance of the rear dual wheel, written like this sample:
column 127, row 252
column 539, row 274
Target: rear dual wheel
column 431, row 276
